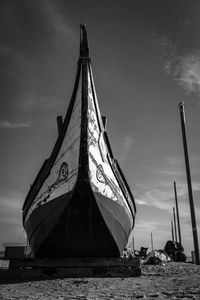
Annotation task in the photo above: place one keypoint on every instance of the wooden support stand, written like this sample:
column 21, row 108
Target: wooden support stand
column 72, row 267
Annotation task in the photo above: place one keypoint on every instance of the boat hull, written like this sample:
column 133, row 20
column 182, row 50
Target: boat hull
column 83, row 224
column 80, row 203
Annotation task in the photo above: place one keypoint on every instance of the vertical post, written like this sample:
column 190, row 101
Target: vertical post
column 133, row 244
column 172, row 228
column 104, row 120
column 189, row 184
column 151, row 241
column 177, row 213
column 175, row 224
column 59, row 124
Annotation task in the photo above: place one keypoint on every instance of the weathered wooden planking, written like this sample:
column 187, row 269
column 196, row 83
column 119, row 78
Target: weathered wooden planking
column 18, row 275
column 70, row 268
column 25, row 270
column 84, row 262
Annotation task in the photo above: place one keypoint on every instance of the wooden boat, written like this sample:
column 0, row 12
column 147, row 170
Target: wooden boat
column 80, row 204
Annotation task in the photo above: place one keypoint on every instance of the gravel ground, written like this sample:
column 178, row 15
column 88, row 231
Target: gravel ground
column 170, row 281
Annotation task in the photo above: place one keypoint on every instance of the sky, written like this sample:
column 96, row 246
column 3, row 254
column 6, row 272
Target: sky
column 145, row 58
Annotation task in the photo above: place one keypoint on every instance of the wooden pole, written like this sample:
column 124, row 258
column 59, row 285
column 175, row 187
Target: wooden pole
column 133, row 244
column 177, row 213
column 59, row 124
column 172, row 228
column 151, row 241
column 175, row 224
column 189, row 184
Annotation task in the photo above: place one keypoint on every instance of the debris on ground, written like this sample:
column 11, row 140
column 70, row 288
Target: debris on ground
column 175, row 250
column 142, row 253
column 127, row 253
column 157, row 257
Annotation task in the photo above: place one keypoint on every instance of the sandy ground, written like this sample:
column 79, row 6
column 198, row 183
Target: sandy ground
column 170, row 281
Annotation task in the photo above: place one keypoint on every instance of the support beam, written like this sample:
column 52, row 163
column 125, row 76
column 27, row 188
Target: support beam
column 172, row 229
column 104, row 119
column 177, row 213
column 151, row 241
column 175, row 224
column 189, row 183
column 59, row 123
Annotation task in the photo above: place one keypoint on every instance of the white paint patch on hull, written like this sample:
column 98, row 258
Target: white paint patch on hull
column 102, row 177
column 65, row 169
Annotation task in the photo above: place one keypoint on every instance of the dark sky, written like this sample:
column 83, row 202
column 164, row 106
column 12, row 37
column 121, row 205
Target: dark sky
column 145, row 58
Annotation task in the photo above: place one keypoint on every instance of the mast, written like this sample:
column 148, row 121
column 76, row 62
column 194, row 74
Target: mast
column 177, row 213
column 189, row 184
column 175, row 224
column 59, row 124
column 151, row 241
column 84, row 49
column 83, row 62
column 172, row 229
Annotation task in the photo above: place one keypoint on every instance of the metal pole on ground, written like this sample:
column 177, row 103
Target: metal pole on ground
column 172, row 228
column 133, row 244
column 177, row 213
column 151, row 241
column 175, row 224
column 187, row 166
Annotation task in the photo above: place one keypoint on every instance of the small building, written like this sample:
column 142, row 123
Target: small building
column 15, row 251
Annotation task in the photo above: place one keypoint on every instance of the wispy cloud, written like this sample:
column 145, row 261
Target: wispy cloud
column 160, row 197
column 187, row 72
column 171, row 172
column 10, row 198
column 56, row 20
column 151, row 225
column 184, row 67
column 14, row 125
column 173, row 166
column 22, row 63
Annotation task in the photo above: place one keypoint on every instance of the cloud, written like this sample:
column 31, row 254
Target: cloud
column 53, row 17
column 31, row 65
column 183, row 66
column 161, row 192
column 151, row 225
column 174, row 173
column 10, row 199
column 156, row 197
column 13, row 125
column 173, row 166
column 57, row 20
column 161, row 197
column 187, row 72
